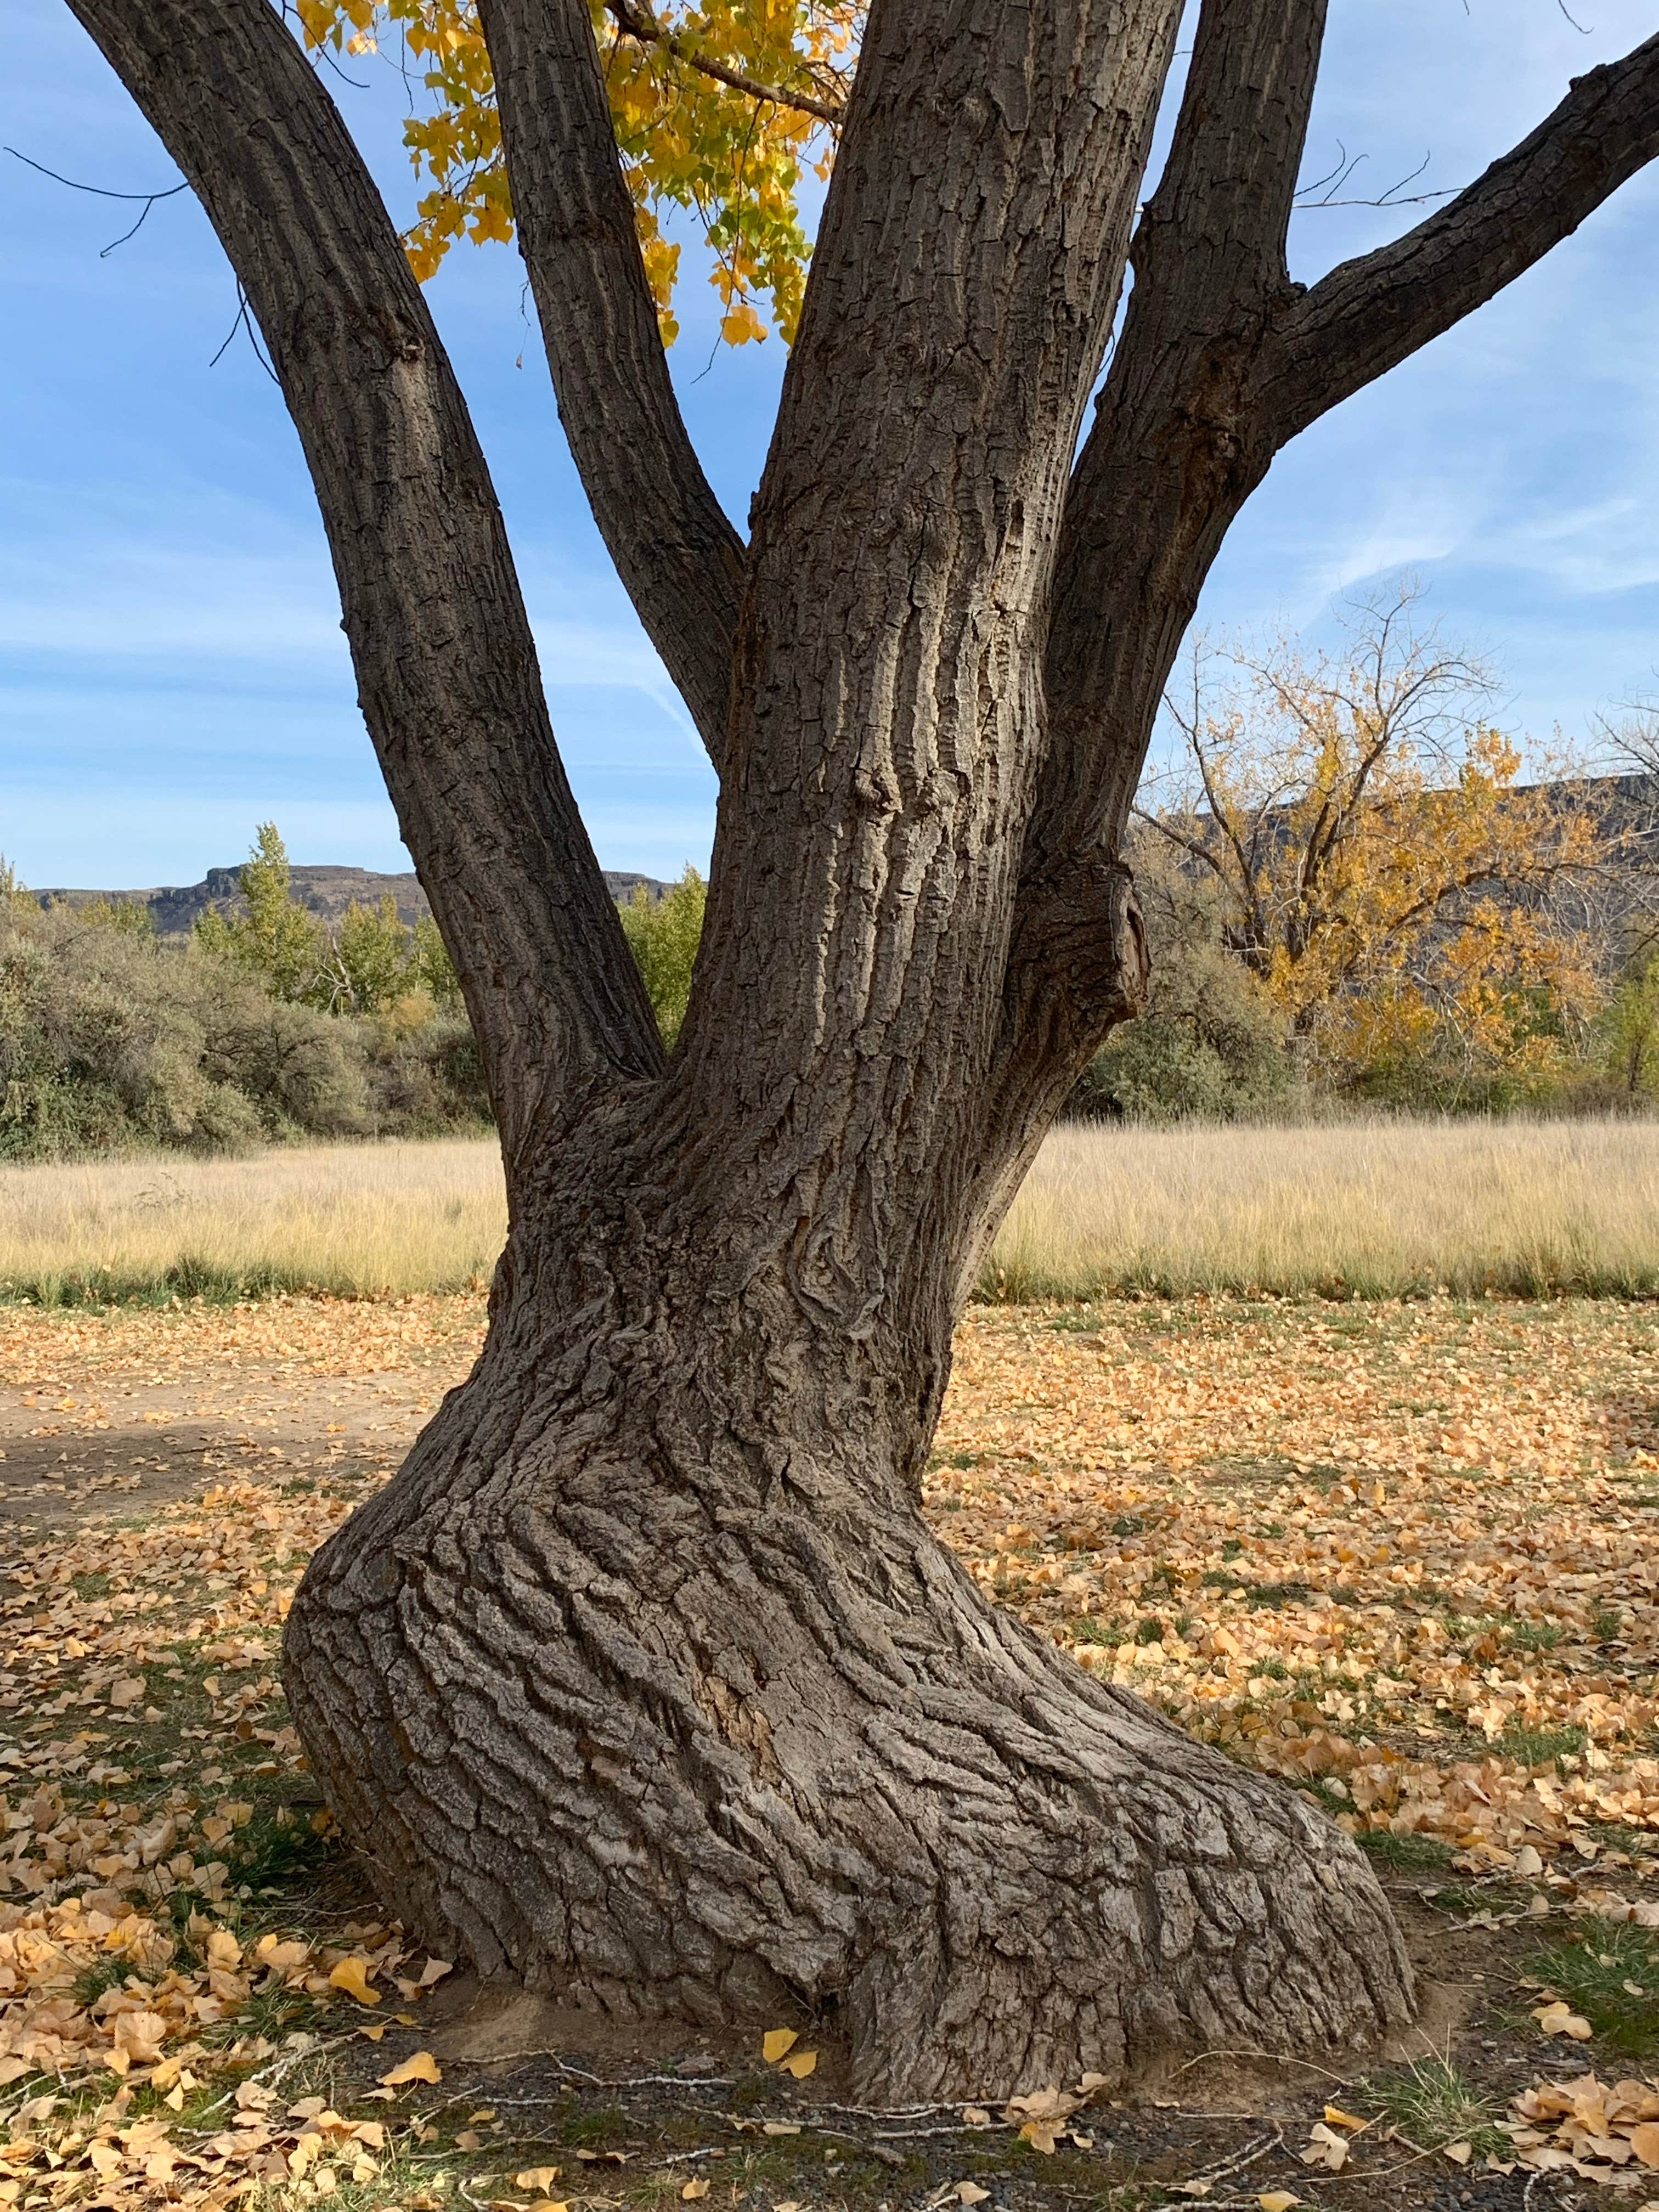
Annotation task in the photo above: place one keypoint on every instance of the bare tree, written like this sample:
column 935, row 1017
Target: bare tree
column 644, row 1679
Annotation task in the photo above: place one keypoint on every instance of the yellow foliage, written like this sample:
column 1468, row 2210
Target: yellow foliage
column 1392, row 885
column 703, row 99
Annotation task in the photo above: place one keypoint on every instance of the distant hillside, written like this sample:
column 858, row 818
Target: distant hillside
column 326, row 891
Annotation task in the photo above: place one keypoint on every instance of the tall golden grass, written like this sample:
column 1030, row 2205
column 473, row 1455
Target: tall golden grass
column 358, row 1220
column 1368, row 1210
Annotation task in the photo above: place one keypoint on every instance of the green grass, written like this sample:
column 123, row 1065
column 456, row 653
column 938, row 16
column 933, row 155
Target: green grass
column 1530, row 1747
column 1433, row 2103
column 1404, row 1854
column 1610, row 1975
column 1536, row 1635
column 275, row 1847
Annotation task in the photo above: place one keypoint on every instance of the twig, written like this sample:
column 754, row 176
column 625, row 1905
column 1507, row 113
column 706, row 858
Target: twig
column 1274, row 2058
column 1223, row 2167
column 100, row 192
column 635, row 19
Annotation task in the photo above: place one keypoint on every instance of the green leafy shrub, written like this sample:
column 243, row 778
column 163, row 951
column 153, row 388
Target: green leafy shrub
column 113, row 1039
column 1210, row 1045
column 664, row 934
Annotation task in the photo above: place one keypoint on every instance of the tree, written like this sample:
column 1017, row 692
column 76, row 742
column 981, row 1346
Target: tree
column 275, row 937
column 373, row 955
column 644, row 1679
column 663, row 934
column 1398, row 894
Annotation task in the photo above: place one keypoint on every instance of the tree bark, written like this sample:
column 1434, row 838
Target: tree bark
column 644, row 1679
column 645, row 1682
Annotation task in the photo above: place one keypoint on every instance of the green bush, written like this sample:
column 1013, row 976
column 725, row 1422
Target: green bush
column 664, row 934
column 111, row 1039
column 1211, row 1046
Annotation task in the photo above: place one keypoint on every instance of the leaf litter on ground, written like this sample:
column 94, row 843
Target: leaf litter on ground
column 1401, row 1556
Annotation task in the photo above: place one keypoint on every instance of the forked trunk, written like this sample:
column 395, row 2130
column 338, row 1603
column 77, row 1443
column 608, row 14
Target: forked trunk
column 645, row 1681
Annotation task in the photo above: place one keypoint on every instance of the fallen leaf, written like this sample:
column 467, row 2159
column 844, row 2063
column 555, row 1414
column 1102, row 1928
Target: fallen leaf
column 1276, row 2200
column 422, row 2067
column 800, row 2063
column 1644, row 2141
column 351, row 1976
column 969, row 2192
column 776, row 2043
column 541, row 2179
column 690, row 2191
column 1339, row 2118
column 1325, row 2148
column 1560, row 2019
column 1460, row 2154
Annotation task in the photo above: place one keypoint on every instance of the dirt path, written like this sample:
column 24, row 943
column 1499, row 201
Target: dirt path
column 130, row 1409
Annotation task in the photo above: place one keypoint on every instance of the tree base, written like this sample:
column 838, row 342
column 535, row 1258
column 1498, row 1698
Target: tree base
column 659, row 1720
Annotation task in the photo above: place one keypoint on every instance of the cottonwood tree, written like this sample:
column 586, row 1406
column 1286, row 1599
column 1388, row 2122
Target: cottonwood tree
column 1406, row 902
column 643, row 1679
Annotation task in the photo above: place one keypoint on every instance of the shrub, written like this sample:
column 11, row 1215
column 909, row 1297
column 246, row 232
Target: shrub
column 663, row 933
column 1210, row 1045
column 113, row 1039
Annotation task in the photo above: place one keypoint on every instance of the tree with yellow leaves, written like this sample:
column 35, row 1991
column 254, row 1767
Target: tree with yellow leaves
column 719, row 113
column 1402, row 898
column 644, row 1679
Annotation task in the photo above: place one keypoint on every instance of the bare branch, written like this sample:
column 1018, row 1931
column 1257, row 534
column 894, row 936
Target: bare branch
column 101, row 193
column 677, row 554
column 445, row 664
column 634, row 18
column 1370, row 313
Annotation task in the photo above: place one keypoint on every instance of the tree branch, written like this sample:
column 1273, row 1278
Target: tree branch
column 1172, row 454
column 1369, row 314
column 677, row 555
column 638, row 21
column 445, row 664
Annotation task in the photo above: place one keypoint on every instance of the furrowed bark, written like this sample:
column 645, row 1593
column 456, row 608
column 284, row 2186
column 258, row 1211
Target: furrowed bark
column 1174, row 451
column 644, row 1679
column 644, row 1682
column 891, row 715
column 678, row 556
column 445, row 664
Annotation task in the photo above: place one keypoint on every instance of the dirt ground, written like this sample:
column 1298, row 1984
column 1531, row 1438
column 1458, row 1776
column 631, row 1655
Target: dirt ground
column 1403, row 1557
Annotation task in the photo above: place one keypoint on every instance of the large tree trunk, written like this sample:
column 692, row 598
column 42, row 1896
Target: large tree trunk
column 645, row 1681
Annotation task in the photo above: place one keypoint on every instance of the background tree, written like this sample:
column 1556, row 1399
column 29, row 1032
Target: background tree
column 663, row 934
column 644, row 1679
column 373, row 954
column 1398, row 894
column 280, row 940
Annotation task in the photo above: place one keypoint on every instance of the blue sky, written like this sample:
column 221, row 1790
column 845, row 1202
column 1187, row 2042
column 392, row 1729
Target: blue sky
column 171, row 666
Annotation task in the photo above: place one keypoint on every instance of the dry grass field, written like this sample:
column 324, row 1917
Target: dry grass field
column 1403, row 1555
column 350, row 1220
column 1370, row 1209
